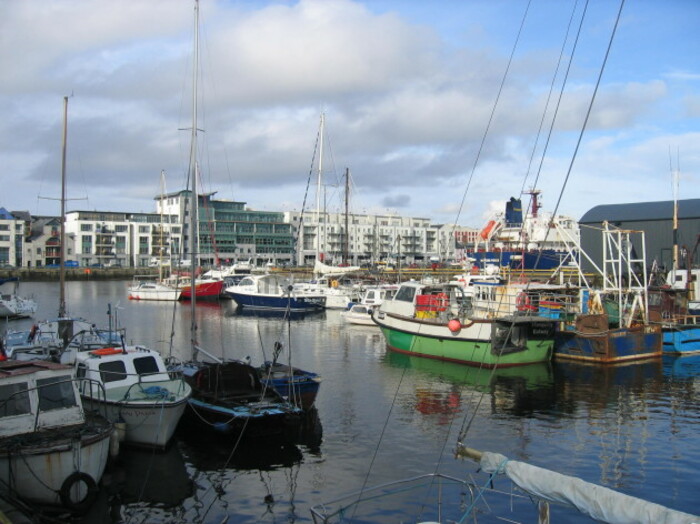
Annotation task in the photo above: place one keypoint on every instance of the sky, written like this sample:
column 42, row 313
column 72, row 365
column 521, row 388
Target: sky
column 441, row 110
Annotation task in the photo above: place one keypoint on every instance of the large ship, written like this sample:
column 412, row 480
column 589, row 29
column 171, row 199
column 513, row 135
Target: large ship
column 530, row 240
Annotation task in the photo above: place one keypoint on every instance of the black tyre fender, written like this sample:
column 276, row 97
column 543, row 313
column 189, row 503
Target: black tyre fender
column 71, row 481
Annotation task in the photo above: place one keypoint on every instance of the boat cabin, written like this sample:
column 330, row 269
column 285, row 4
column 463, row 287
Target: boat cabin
column 36, row 395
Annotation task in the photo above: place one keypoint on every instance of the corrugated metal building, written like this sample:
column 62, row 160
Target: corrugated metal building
column 655, row 219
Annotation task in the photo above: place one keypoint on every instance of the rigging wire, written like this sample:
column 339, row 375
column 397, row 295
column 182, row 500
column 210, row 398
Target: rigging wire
column 493, row 112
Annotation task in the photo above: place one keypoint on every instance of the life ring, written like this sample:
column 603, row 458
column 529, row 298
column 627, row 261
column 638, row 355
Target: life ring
column 522, row 302
column 73, row 480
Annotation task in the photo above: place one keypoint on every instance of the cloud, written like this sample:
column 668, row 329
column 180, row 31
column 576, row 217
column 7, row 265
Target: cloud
column 410, row 106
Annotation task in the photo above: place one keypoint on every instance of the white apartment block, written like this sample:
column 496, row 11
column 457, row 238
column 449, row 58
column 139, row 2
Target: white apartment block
column 371, row 238
column 126, row 239
column 11, row 239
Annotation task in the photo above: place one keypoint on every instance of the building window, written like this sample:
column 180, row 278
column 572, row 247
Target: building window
column 85, row 227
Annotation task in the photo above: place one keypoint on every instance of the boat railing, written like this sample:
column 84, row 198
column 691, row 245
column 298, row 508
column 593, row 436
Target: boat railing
column 95, row 390
column 156, row 389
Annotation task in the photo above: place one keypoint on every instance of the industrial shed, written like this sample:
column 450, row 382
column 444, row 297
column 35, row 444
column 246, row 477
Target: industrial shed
column 655, row 219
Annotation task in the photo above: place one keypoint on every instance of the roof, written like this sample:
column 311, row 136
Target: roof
column 663, row 210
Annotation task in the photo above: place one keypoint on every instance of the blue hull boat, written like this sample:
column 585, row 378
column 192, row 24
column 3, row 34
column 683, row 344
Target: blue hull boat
column 297, row 386
column 682, row 339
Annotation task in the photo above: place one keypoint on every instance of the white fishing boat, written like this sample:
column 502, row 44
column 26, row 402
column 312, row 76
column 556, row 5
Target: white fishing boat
column 132, row 385
column 52, row 451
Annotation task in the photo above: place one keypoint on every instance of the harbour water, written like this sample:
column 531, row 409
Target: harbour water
column 383, row 417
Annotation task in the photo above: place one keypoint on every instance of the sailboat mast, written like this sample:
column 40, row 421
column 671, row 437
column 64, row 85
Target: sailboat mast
column 346, row 244
column 675, row 175
column 193, row 178
column 62, row 250
column 319, row 182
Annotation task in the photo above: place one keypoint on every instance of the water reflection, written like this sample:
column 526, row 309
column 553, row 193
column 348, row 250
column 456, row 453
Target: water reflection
column 443, row 387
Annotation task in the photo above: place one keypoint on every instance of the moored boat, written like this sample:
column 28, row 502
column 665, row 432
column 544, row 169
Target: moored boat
column 612, row 324
column 438, row 321
column 526, row 240
column 132, row 385
column 151, row 289
column 52, row 451
column 12, row 304
column 229, row 399
column 274, row 292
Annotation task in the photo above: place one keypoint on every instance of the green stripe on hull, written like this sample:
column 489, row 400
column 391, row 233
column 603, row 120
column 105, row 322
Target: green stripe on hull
column 472, row 352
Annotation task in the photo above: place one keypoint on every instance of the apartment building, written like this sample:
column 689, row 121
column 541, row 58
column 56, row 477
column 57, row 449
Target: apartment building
column 229, row 232
column 11, row 239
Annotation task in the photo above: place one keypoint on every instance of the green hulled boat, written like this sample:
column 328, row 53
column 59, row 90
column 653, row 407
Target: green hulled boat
column 490, row 324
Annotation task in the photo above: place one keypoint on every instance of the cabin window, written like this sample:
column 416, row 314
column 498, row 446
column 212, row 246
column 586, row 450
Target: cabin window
column 14, row 400
column 405, row 294
column 111, row 371
column 55, row 393
column 146, row 365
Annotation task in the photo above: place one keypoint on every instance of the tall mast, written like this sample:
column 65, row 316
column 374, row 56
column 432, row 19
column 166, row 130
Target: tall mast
column 675, row 175
column 346, row 243
column 62, row 251
column 193, row 178
column 319, row 182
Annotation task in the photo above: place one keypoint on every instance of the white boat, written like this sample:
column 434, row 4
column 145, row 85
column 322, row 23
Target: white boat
column 44, row 340
column 372, row 298
column 274, row 293
column 12, row 305
column 359, row 314
column 52, row 451
column 338, row 294
column 132, row 384
column 529, row 240
column 151, row 289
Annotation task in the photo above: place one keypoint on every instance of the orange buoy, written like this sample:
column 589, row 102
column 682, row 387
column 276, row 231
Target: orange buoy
column 454, row 325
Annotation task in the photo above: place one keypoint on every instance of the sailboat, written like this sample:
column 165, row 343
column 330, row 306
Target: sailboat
column 228, row 397
column 148, row 288
column 12, row 304
column 327, row 277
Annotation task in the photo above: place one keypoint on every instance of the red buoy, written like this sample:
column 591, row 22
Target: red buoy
column 454, row 325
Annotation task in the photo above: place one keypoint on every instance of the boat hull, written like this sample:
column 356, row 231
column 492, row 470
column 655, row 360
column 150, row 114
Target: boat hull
column 477, row 344
column 160, row 293
column 150, row 422
column 681, row 339
column 609, row 345
column 204, row 290
column 277, row 302
column 300, row 390
column 39, row 472
column 541, row 259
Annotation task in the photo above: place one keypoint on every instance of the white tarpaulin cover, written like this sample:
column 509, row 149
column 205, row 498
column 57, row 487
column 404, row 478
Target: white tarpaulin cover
column 598, row 502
